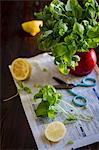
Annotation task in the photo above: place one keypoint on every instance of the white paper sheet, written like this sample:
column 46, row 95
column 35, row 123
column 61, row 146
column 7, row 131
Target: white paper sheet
column 82, row 133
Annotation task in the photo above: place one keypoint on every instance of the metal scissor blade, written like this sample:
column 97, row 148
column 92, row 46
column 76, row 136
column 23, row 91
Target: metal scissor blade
column 59, row 80
column 64, row 86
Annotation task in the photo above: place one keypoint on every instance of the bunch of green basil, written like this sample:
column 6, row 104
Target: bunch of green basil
column 69, row 28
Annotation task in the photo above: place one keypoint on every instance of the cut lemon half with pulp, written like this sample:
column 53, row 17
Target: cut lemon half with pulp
column 21, row 69
column 32, row 27
column 55, row 131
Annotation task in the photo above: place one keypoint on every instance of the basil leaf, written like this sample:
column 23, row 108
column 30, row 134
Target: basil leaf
column 93, row 32
column 78, row 28
column 94, row 42
column 62, row 28
column 52, row 113
column 60, row 49
column 46, row 34
column 38, row 95
column 20, row 84
column 27, row 89
column 63, row 68
column 42, row 109
column 74, row 7
column 76, row 58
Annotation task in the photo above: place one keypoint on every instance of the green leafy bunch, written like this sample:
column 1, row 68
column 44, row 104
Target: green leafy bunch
column 50, row 106
column 49, row 98
column 69, row 28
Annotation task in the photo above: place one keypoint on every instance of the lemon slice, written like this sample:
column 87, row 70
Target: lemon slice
column 32, row 27
column 21, row 69
column 55, row 131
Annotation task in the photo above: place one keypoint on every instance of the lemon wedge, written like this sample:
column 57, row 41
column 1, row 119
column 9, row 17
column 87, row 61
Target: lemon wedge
column 32, row 27
column 20, row 69
column 55, row 131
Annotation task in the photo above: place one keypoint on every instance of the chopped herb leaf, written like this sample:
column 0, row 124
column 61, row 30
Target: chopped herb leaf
column 27, row 89
column 45, row 69
column 37, row 85
column 22, row 87
column 70, row 142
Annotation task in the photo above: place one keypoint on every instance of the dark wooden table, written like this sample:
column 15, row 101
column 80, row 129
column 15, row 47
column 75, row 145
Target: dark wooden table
column 15, row 130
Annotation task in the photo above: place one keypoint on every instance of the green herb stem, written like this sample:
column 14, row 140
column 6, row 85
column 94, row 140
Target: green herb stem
column 63, row 110
column 71, row 106
column 78, row 114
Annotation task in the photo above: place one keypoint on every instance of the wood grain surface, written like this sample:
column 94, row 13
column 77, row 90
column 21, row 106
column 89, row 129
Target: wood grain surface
column 15, row 130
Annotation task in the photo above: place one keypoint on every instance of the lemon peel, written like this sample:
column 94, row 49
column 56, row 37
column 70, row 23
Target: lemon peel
column 32, row 27
column 20, row 69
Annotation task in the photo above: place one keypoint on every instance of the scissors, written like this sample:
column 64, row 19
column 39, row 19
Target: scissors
column 78, row 100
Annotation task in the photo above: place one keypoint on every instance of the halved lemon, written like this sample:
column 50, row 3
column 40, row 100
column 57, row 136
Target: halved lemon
column 32, row 27
column 21, row 69
column 55, row 131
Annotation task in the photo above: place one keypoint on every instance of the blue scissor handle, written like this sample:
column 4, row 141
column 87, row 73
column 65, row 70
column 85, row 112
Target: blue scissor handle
column 72, row 92
column 84, row 82
column 81, row 103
